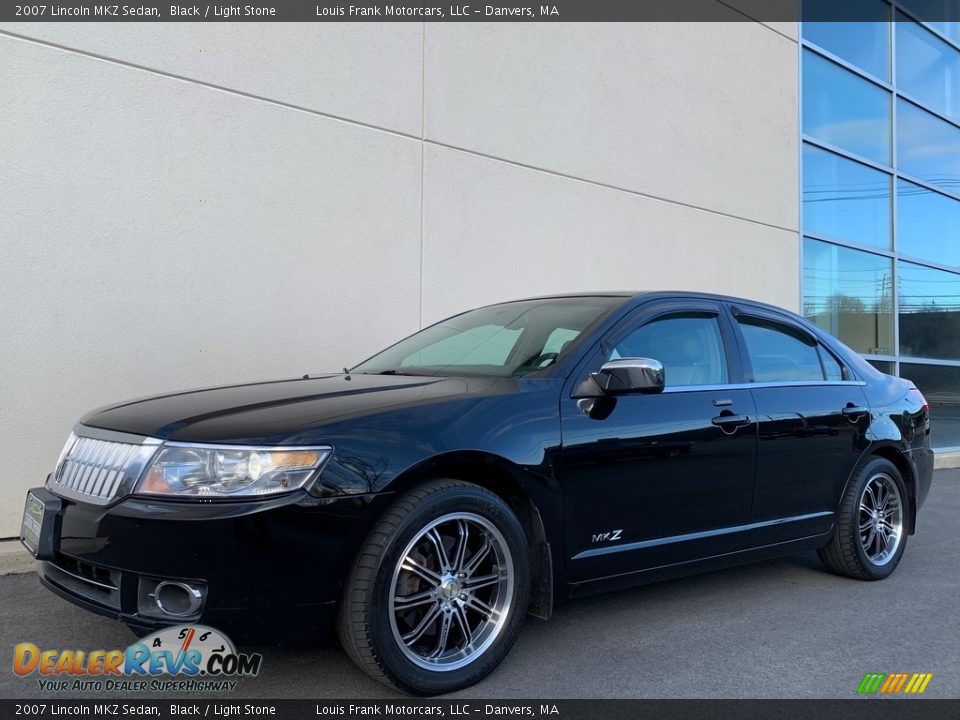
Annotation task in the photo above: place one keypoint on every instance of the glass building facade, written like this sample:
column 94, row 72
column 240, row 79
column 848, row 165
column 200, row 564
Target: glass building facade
column 880, row 124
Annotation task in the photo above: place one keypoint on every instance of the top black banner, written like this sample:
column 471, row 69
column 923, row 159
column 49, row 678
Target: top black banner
column 556, row 11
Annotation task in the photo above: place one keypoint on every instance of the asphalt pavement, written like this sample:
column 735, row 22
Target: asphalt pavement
column 779, row 629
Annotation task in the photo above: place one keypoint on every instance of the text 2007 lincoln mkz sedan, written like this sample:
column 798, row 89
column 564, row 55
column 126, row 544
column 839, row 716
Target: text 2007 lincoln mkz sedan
column 483, row 469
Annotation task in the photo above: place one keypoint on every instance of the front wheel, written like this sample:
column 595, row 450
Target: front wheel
column 871, row 531
column 439, row 590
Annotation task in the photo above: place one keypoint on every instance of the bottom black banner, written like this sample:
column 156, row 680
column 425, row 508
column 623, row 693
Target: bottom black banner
column 865, row 709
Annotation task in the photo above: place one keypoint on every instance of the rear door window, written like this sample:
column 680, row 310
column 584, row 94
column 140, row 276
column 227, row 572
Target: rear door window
column 781, row 353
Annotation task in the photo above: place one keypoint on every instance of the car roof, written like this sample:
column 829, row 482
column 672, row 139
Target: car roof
column 655, row 294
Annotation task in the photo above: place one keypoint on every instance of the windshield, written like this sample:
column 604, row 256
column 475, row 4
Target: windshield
column 512, row 339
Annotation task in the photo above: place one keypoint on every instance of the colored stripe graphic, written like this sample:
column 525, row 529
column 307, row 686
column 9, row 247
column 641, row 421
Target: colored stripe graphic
column 918, row 683
column 871, row 682
column 890, row 683
column 894, row 683
column 900, row 683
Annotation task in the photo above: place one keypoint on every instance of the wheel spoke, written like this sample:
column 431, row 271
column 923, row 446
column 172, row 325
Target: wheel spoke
column 411, row 637
column 479, row 606
column 461, row 617
column 461, row 553
column 411, row 565
column 868, row 543
column 405, row 602
column 445, row 623
column 883, row 497
column 866, row 524
column 868, row 493
column 437, row 540
column 881, row 545
column 478, row 557
column 481, row 581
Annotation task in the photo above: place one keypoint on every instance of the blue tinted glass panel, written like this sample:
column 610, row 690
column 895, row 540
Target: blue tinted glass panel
column 928, row 69
column 845, row 199
column 929, row 312
column 864, row 44
column 941, row 14
column 849, row 293
column 928, row 224
column 928, row 147
column 845, row 110
column 950, row 29
column 940, row 385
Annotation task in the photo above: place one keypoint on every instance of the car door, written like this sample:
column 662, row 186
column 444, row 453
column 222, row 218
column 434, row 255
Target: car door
column 656, row 479
column 813, row 419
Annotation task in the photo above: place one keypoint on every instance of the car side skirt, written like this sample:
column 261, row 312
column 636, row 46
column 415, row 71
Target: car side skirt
column 694, row 567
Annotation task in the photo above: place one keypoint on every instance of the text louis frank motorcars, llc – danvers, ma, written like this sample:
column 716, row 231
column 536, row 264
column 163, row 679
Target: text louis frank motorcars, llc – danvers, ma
column 458, row 710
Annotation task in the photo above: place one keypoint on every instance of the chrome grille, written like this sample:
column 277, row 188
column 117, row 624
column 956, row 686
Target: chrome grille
column 97, row 469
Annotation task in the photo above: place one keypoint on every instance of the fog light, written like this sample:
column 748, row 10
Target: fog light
column 169, row 598
column 178, row 599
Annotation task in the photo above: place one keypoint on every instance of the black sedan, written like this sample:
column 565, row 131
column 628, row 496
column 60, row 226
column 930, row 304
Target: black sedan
column 483, row 469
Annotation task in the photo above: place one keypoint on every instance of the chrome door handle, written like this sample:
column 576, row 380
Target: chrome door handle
column 854, row 412
column 730, row 422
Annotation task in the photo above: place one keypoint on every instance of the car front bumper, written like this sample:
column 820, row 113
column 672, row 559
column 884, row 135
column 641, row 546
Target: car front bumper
column 265, row 563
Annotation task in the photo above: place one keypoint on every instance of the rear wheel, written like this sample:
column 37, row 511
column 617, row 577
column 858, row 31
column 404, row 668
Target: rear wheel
column 871, row 529
column 439, row 590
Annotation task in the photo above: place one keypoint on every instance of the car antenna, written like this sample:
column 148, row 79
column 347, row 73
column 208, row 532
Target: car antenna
column 346, row 372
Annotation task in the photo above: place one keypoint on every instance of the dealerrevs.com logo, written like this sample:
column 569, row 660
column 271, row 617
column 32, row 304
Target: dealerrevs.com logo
column 205, row 656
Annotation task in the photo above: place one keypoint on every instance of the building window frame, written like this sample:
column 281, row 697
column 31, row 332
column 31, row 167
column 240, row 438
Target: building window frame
column 896, row 96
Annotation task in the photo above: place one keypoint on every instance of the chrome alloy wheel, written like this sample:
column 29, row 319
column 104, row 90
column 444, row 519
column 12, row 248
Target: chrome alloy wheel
column 881, row 519
column 451, row 592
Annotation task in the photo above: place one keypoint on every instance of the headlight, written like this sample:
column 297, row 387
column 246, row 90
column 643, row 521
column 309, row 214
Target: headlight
column 230, row 471
column 71, row 441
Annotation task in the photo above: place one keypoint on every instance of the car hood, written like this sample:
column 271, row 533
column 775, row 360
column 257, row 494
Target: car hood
column 267, row 411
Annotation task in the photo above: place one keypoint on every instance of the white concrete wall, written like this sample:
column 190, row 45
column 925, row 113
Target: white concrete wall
column 185, row 205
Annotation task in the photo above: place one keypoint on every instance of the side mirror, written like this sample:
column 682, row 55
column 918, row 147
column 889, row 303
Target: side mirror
column 630, row 375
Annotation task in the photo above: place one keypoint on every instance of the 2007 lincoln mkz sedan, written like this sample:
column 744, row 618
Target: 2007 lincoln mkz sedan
column 483, row 469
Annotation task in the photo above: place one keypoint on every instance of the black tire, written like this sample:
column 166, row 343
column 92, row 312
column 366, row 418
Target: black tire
column 849, row 552
column 369, row 623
